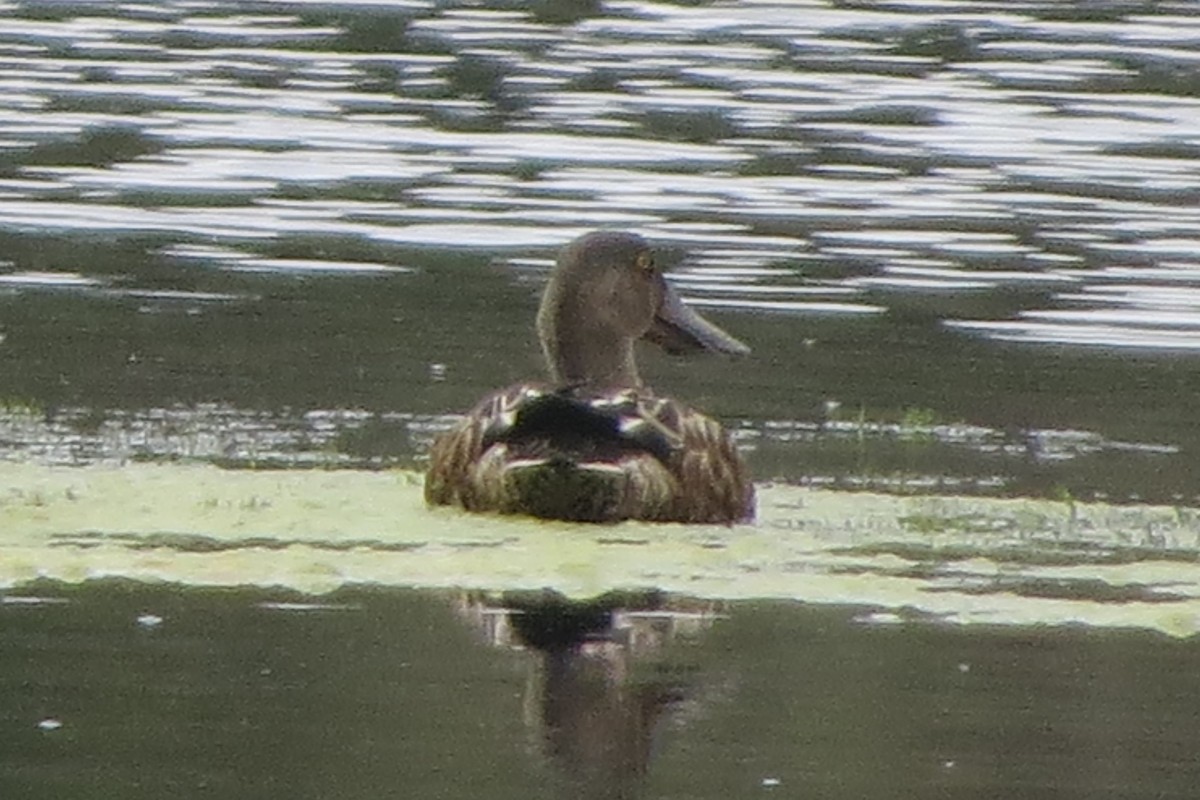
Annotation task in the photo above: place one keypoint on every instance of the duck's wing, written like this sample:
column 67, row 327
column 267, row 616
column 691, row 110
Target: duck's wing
column 520, row 448
column 620, row 455
column 714, row 481
column 455, row 454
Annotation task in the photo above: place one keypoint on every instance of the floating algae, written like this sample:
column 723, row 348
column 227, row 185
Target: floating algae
column 953, row 559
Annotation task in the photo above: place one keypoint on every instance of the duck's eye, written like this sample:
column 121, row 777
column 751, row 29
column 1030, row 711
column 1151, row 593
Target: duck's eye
column 645, row 262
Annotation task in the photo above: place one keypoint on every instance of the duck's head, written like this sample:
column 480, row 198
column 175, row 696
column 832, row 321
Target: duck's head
column 606, row 293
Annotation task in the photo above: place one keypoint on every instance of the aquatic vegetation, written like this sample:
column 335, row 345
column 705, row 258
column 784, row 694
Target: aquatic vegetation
column 14, row 406
column 954, row 559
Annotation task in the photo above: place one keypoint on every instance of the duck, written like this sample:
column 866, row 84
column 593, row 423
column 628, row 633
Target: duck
column 594, row 444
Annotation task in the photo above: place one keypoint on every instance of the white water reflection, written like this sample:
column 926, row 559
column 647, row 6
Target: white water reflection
column 929, row 457
column 47, row 280
column 928, row 148
column 1087, row 331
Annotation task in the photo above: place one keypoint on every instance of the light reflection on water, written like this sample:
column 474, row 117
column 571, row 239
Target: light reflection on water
column 1007, row 174
column 786, row 89
column 908, row 457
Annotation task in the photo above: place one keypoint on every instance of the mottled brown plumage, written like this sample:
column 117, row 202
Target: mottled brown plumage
column 596, row 446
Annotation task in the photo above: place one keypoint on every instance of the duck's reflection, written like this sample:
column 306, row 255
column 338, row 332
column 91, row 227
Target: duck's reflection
column 607, row 674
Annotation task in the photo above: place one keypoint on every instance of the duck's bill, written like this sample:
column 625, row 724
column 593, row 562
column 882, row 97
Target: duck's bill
column 680, row 330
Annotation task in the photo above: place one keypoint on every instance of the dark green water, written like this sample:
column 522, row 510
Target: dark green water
column 230, row 699
column 390, row 693
column 960, row 238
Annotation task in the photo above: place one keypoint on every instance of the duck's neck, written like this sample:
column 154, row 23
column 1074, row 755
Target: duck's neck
column 584, row 362
column 584, row 356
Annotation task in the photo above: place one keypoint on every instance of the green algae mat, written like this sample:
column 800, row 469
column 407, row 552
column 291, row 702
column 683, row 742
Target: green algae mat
column 952, row 559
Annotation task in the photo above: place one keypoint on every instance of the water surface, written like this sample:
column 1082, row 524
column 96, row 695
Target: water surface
column 974, row 219
column 254, row 255
column 142, row 691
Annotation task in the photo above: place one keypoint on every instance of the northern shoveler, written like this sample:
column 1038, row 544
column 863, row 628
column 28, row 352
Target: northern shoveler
column 595, row 445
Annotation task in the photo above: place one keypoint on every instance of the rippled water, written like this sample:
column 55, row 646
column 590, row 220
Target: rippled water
column 960, row 237
column 201, row 202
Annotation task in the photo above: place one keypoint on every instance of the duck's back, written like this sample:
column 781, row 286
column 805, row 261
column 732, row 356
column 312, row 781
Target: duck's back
column 590, row 458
